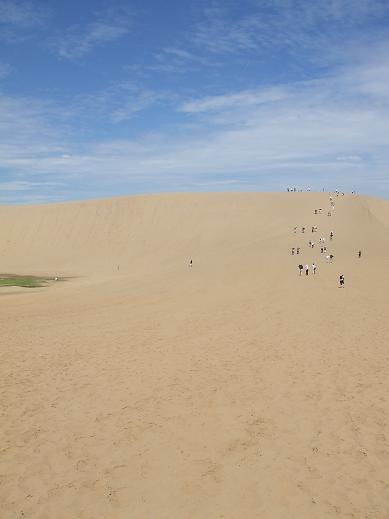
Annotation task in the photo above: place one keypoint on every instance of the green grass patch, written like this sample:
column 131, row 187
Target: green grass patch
column 23, row 281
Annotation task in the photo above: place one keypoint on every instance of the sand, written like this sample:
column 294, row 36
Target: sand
column 233, row 389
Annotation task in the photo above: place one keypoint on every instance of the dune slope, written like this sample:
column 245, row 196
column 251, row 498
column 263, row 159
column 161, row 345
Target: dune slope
column 142, row 387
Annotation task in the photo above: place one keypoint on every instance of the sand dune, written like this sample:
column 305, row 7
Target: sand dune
column 143, row 388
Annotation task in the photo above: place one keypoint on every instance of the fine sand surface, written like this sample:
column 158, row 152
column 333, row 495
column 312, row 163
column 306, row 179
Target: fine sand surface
column 233, row 389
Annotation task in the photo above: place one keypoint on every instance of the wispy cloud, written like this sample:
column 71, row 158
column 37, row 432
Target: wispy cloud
column 173, row 60
column 27, row 134
column 5, row 70
column 237, row 100
column 79, row 40
column 323, row 132
column 23, row 185
column 220, row 183
column 119, row 102
column 308, row 27
column 21, row 14
column 180, row 60
column 19, row 18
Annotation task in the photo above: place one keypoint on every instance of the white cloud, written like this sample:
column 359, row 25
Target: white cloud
column 328, row 131
column 5, row 70
column 237, row 100
column 27, row 136
column 79, row 41
column 135, row 103
column 18, row 19
column 371, row 80
column 118, row 102
column 21, row 14
column 23, row 185
column 220, row 183
column 322, row 29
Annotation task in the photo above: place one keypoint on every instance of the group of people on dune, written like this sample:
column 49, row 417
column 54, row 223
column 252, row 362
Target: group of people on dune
column 322, row 241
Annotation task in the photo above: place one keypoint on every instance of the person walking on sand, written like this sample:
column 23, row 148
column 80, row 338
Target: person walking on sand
column 341, row 281
column 359, row 254
column 314, row 267
column 191, row 263
column 331, row 235
column 300, row 268
column 306, row 270
column 292, row 251
column 298, row 250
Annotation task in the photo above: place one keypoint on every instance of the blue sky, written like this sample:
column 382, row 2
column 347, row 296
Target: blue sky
column 103, row 98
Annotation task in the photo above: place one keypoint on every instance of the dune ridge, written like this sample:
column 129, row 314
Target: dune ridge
column 143, row 388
